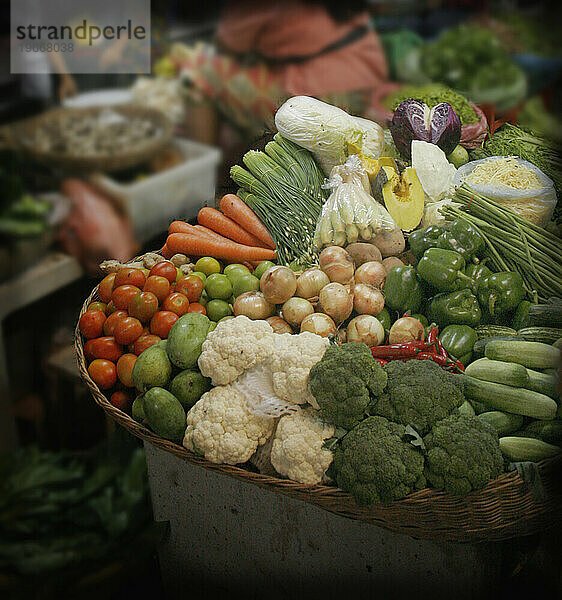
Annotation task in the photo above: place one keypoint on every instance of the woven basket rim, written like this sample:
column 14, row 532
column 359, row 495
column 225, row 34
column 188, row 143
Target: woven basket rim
column 105, row 162
column 503, row 520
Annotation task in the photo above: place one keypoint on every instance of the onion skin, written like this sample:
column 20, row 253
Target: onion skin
column 320, row 324
column 336, row 301
column 337, row 264
column 372, row 273
column 367, row 299
column 295, row 310
column 366, row 329
column 279, row 325
column 253, row 305
column 278, row 284
column 311, row 282
column 406, row 329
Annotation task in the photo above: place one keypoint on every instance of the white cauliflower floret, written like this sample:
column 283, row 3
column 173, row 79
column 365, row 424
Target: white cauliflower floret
column 297, row 451
column 291, row 363
column 220, row 427
column 235, row 346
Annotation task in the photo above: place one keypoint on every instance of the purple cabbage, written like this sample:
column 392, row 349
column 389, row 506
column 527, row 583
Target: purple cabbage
column 414, row 120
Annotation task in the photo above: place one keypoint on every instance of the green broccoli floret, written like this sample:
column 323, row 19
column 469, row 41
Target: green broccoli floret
column 419, row 393
column 462, row 454
column 376, row 464
column 342, row 383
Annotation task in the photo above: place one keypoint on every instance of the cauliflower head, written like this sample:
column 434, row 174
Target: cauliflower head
column 220, row 428
column 375, row 464
column 298, row 449
column 419, row 393
column 291, row 362
column 235, row 346
column 462, row 454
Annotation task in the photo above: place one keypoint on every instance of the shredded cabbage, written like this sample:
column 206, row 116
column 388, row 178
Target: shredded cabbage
column 435, row 172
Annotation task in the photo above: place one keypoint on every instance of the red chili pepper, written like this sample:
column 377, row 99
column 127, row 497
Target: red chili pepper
column 442, row 361
column 432, row 335
column 405, row 350
column 440, row 348
column 381, row 361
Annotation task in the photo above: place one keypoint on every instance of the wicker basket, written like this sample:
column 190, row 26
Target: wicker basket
column 20, row 137
column 504, row 508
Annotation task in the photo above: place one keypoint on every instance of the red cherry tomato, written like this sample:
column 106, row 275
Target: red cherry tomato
column 129, row 276
column 120, row 399
column 106, row 287
column 191, row 286
column 103, row 373
column 111, row 308
column 123, row 295
column 107, row 348
column 91, row 323
column 88, row 350
column 97, row 306
column 162, row 322
column 158, row 285
column 144, row 342
column 112, row 320
column 143, row 306
column 176, row 303
column 125, row 369
column 195, row 307
column 127, row 330
column 165, row 269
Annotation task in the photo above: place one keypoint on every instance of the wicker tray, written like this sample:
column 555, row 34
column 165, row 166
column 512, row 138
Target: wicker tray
column 505, row 508
column 20, row 136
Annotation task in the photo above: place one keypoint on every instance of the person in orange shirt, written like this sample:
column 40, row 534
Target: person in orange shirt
column 267, row 52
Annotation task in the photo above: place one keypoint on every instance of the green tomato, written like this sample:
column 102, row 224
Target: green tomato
column 458, row 157
column 201, row 275
column 234, row 271
column 262, row 268
column 245, row 283
column 218, row 287
column 208, row 265
column 218, row 309
column 204, row 299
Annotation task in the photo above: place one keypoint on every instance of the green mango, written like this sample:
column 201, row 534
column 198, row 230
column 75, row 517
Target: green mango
column 186, row 338
column 152, row 369
column 188, row 386
column 164, row 413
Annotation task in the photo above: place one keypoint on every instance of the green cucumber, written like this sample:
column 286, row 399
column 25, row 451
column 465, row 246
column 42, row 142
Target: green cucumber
column 498, row 372
column 480, row 346
column 518, row 401
column 503, row 423
column 544, row 383
column 547, row 431
column 485, row 331
column 546, row 335
column 545, row 315
column 467, row 409
column 534, row 355
column 523, row 448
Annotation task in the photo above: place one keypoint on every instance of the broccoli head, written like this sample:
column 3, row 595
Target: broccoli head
column 419, row 393
column 342, row 383
column 462, row 454
column 376, row 464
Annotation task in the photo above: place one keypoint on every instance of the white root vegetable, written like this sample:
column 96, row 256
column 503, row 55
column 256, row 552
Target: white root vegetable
column 390, row 243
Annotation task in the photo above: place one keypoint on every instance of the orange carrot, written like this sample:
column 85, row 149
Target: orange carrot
column 197, row 245
column 209, row 232
column 232, row 206
column 166, row 252
column 219, row 223
column 180, row 227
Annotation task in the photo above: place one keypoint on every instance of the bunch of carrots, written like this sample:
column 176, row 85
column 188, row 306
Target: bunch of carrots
column 234, row 233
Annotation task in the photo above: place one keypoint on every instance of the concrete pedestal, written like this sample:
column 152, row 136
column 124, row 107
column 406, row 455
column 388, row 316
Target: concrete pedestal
column 228, row 536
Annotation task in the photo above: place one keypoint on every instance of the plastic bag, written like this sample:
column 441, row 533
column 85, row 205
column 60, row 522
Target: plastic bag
column 350, row 214
column 327, row 131
column 536, row 205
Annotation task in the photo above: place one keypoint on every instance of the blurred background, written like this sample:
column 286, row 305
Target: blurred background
column 75, row 190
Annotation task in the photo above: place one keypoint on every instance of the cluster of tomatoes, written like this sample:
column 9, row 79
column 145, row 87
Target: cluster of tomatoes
column 137, row 309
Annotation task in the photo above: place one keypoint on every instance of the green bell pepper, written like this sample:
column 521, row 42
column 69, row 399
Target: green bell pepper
column 421, row 318
column 521, row 316
column 462, row 238
column 384, row 318
column 455, row 308
column 459, row 341
column 501, row 292
column 476, row 272
column 443, row 269
column 402, row 290
column 422, row 239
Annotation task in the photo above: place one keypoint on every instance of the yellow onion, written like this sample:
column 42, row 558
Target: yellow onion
column 366, row 329
column 278, row 284
column 367, row 299
column 335, row 301
column 320, row 324
column 253, row 305
column 372, row 273
column 295, row 310
column 406, row 329
column 311, row 282
column 279, row 325
column 337, row 264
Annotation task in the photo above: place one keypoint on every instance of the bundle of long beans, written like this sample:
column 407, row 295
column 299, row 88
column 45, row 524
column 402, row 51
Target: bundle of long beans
column 283, row 187
column 512, row 242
